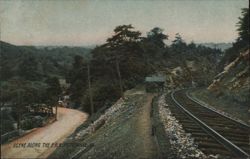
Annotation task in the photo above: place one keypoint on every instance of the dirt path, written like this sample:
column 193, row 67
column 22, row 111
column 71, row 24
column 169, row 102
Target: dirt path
column 68, row 121
column 144, row 126
column 126, row 132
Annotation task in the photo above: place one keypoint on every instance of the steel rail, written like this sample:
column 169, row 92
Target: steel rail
column 201, row 104
column 218, row 137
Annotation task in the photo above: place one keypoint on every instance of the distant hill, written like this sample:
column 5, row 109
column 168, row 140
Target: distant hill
column 47, row 61
column 61, row 46
column 221, row 46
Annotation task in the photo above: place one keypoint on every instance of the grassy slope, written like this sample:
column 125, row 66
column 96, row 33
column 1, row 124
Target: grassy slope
column 127, row 134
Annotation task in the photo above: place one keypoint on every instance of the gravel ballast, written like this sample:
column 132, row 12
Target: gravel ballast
column 181, row 142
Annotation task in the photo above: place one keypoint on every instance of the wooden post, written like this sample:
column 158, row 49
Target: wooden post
column 119, row 76
column 18, row 111
column 90, row 91
column 57, row 106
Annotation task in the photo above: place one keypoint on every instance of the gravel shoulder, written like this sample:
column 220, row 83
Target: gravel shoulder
column 56, row 132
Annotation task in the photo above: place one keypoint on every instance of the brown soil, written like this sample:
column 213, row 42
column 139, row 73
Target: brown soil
column 56, row 132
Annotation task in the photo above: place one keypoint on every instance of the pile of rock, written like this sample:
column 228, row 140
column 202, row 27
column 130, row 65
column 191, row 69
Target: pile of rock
column 181, row 143
column 102, row 119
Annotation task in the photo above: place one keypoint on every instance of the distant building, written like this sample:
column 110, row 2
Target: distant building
column 64, row 84
column 64, row 101
column 155, row 83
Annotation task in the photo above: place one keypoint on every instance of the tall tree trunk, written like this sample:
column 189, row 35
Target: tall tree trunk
column 90, row 91
column 56, row 110
column 19, row 111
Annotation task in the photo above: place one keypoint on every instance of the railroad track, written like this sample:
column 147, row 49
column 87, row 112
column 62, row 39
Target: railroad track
column 214, row 133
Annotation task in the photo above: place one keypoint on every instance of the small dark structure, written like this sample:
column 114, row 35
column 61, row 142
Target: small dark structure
column 155, row 83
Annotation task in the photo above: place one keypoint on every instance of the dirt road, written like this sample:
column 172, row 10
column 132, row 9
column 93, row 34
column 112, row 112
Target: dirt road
column 68, row 121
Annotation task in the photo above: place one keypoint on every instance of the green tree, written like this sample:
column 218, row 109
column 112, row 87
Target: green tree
column 117, row 64
column 28, row 69
column 76, row 72
column 77, row 77
column 178, row 40
column 5, row 70
column 53, row 91
column 157, row 37
column 120, row 52
column 243, row 26
column 178, row 44
column 242, row 41
column 123, row 34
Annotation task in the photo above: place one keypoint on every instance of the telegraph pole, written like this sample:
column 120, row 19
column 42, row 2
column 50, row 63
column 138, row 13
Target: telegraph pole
column 57, row 106
column 18, row 111
column 119, row 76
column 90, row 90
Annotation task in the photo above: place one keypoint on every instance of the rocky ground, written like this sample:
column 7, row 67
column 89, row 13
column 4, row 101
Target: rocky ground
column 181, row 143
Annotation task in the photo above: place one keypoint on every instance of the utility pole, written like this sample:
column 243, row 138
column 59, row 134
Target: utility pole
column 57, row 106
column 119, row 76
column 18, row 111
column 90, row 90
column 56, row 112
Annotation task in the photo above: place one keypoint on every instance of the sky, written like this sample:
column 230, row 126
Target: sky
column 91, row 22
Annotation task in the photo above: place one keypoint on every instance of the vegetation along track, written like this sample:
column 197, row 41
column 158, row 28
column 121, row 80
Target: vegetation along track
column 213, row 132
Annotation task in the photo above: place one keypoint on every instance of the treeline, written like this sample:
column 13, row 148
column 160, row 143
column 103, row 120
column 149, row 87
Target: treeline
column 33, row 69
column 119, row 64
column 36, row 64
column 30, row 75
column 131, row 56
column 29, row 79
column 242, row 42
column 125, row 60
column 232, row 83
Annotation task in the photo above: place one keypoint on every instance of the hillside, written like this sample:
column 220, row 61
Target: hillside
column 229, row 91
column 45, row 61
column 130, row 57
column 233, row 82
column 221, row 46
column 29, row 77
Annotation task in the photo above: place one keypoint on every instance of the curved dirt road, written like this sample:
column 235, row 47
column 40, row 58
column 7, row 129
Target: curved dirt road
column 68, row 121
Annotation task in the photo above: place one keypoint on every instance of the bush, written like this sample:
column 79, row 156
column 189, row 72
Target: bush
column 6, row 126
column 31, row 122
column 7, row 121
column 103, row 94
